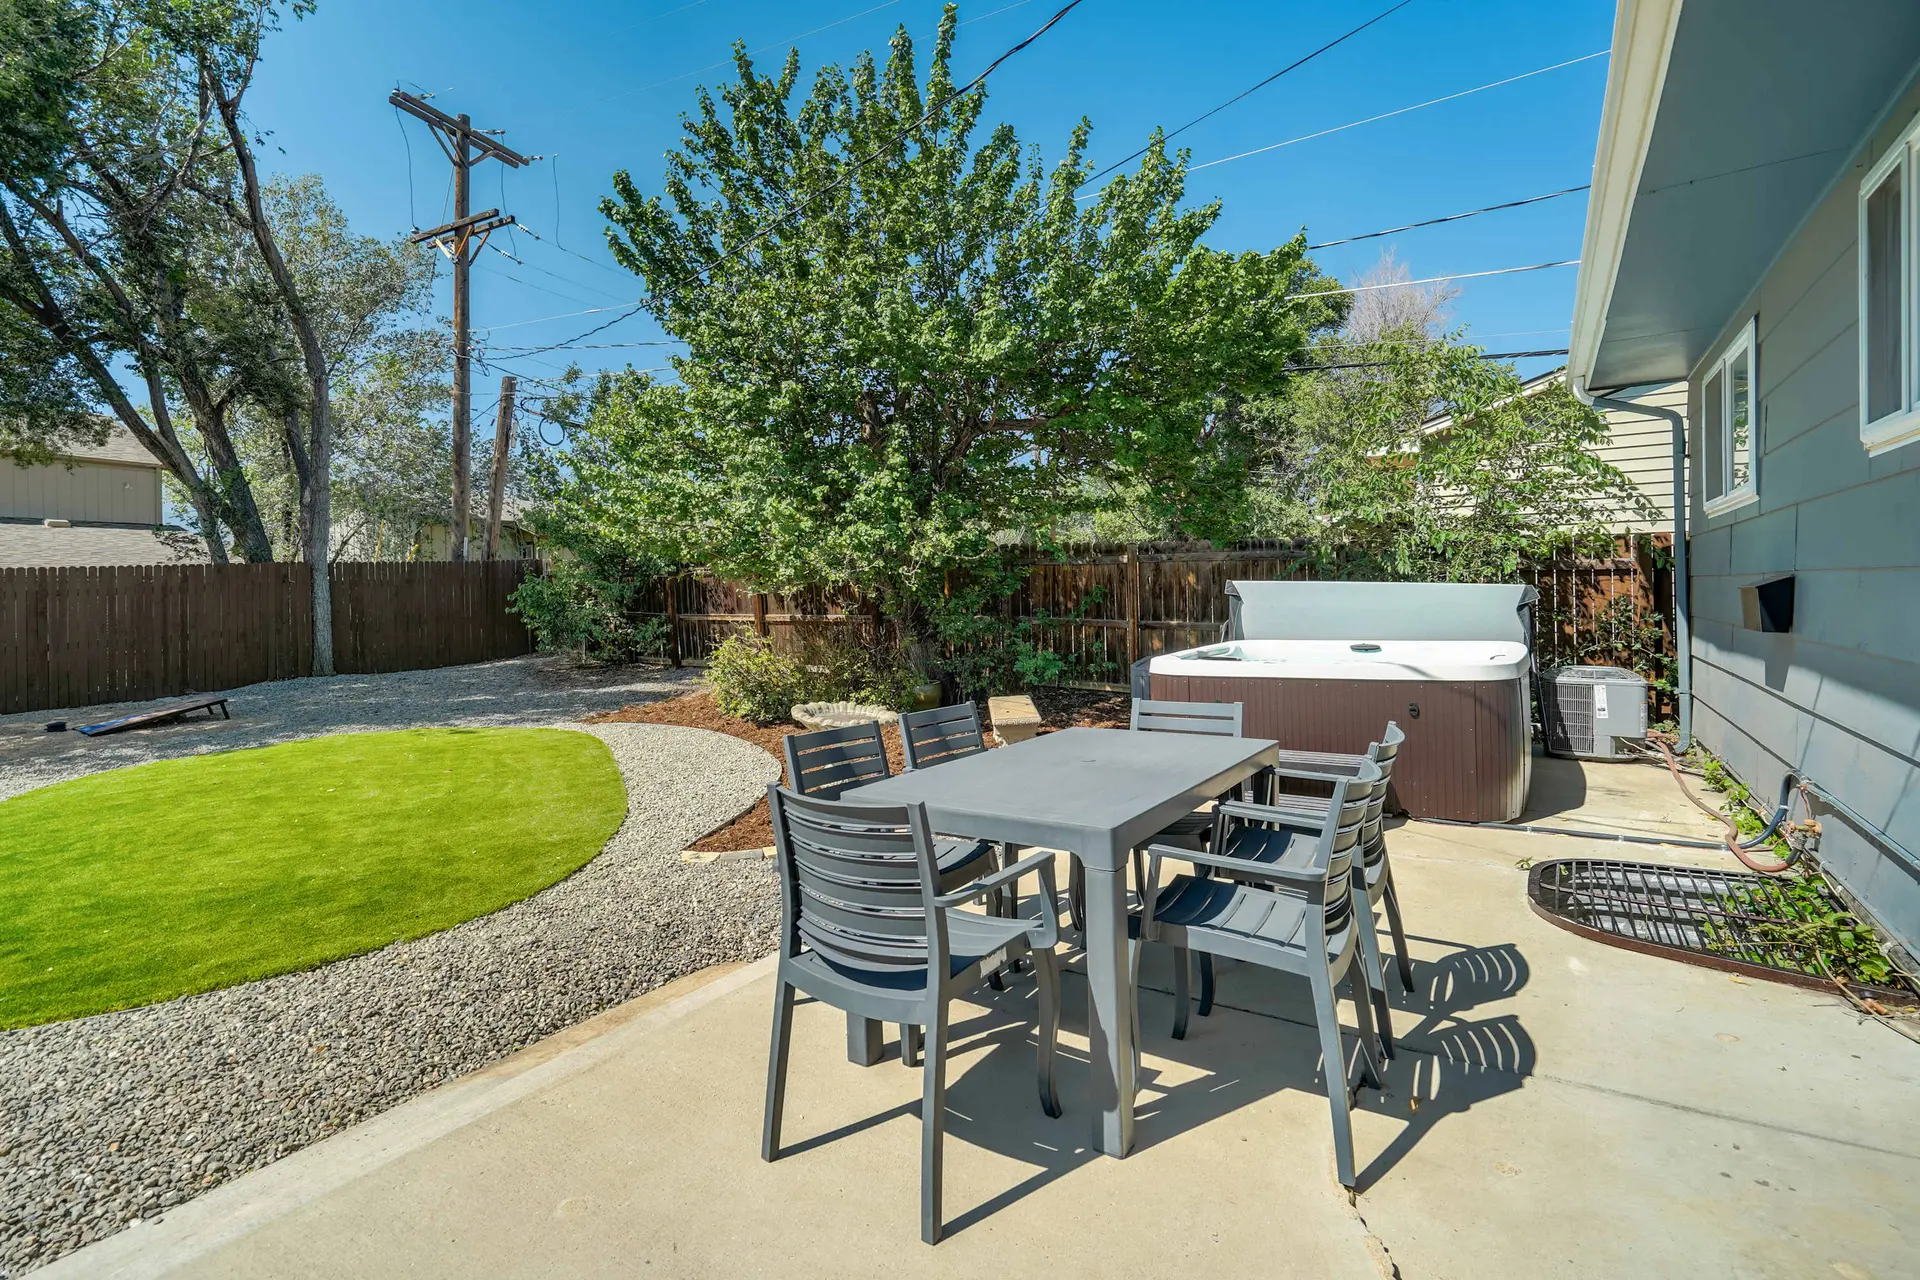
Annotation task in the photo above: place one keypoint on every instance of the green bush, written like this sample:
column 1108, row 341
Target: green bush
column 839, row 661
column 829, row 663
column 571, row 608
column 752, row 681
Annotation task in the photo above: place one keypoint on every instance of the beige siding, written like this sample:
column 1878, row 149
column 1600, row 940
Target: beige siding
column 100, row 491
column 1641, row 445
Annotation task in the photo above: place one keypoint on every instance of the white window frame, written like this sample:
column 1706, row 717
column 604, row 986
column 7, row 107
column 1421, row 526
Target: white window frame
column 1744, row 343
column 1902, row 425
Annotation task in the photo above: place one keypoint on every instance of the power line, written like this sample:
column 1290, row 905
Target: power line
column 413, row 218
column 645, row 22
column 592, row 262
column 838, row 22
column 1404, row 284
column 533, row 266
column 609, row 346
column 1388, row 115
column 1453, row 217
column 565, row 315
column 1383, row 364
column 1292, row 66
column 806, row 202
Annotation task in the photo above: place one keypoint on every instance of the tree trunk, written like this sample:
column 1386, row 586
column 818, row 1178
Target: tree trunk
column 313, row 357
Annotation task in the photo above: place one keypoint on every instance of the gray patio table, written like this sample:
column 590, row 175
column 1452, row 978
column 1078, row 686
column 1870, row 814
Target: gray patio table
column 1095, row 794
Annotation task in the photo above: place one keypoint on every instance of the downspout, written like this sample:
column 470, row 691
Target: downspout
column 1682, row 596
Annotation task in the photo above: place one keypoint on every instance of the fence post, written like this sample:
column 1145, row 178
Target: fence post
column 1130, row 562
column 760, row 614
column 673, row 623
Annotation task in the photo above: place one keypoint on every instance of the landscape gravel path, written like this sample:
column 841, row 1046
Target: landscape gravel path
column 111, row 1118
column 525, row 691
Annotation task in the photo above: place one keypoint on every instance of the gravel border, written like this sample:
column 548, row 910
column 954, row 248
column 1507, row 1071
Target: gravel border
column 536, row 690
column 116, row 1117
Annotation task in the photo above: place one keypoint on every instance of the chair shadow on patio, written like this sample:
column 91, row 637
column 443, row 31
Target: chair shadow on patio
column 1260, row 1041
column 1449, row 1056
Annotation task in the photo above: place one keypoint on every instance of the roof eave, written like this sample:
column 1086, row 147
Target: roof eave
column 1643, row 33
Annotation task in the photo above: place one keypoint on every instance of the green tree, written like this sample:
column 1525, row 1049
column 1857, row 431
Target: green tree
column 1435, row 464
column 128, row 168
column 903, row 347
column 386, row 362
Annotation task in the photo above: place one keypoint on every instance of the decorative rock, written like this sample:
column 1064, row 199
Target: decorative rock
column 193, row 1092
column 838, row 715
column 1015, row 718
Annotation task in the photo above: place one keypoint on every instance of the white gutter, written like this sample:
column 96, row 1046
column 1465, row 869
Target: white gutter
column 1636, row 74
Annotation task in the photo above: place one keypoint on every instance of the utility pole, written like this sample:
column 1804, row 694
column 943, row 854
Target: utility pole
column 497, row 483
column 460, row 240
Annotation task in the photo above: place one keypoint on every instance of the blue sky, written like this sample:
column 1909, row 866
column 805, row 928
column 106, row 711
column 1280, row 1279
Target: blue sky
column 601, row 86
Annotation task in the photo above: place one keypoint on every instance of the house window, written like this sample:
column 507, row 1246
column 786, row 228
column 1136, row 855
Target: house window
column 1728, row 416
column 1889, row 322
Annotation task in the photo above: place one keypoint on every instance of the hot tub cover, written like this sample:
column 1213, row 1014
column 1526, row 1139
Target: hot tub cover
column 1355, row 611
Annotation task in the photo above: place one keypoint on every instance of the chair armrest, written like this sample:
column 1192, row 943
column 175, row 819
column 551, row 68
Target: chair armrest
column 1321, row 762
column 1277, row 817
column 1239, row 866
column 1045, row 932
column 1325, row 773
column 1041, row 861
column 1150, row 888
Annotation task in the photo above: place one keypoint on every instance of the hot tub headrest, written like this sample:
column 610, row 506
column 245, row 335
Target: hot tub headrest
column 1379, row 611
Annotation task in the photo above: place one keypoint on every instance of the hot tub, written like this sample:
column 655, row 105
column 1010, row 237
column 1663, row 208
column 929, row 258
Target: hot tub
column 1318, row 667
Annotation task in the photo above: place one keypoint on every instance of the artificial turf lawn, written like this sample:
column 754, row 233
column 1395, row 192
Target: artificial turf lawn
column 164, row 879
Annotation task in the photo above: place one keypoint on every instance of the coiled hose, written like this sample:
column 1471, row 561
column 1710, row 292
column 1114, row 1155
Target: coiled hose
column 1735, row 846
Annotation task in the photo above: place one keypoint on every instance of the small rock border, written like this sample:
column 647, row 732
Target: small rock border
column 111, row 1119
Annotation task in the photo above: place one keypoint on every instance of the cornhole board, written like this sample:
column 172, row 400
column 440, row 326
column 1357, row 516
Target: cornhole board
column 159, row 715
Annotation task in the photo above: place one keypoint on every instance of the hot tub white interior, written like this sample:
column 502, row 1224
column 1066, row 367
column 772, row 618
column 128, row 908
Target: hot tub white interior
column 1451, row 660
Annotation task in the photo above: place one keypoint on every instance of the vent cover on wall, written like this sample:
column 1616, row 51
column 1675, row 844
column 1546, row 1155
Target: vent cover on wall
column 1584, row 710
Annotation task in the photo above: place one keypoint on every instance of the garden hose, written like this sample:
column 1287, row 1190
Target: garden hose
column 1734, row 845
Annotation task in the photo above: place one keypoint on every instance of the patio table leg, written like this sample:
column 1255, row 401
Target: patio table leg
column 865, row 1040
column 1110, row 1007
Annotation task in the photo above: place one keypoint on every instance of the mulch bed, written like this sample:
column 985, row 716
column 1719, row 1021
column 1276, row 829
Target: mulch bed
column 1059, row 709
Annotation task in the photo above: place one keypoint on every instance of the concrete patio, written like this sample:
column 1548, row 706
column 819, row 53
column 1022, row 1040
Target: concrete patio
column 1560, row 1108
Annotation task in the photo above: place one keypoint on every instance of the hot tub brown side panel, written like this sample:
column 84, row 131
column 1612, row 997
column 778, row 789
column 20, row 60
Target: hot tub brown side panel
column 1466, row 753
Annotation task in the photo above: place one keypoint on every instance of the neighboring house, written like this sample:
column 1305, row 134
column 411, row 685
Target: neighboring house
column 1639, row 443
column 1752, row 231
column 92, row 505
column 517, row 539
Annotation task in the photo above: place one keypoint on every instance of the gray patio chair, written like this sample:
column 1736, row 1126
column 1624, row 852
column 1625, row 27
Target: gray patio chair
column 867, row 928
column 940, row 734
column 1289, row 907
column 1210, row 719
column 826, row 762
column 1379, row 871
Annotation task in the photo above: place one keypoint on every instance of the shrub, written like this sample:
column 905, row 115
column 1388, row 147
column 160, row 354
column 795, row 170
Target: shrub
column 829, row 663
column 750, row 680
column 841, row 661
column 573, row 608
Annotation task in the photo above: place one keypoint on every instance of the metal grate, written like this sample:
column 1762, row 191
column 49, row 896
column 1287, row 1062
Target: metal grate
column 1700, row 916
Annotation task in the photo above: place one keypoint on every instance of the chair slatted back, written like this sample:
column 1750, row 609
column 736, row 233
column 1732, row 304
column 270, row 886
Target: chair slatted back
column 1212, row 719
column 1382, row 753
column 941, row 734
column 828, row 761
column 857, row 883
column 1342, row 838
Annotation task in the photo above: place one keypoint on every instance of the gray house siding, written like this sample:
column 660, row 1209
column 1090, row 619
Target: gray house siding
column 1838, row 699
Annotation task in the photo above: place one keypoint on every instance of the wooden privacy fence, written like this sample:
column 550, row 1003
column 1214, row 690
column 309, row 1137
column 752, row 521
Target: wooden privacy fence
column 1102, row 606
column 74, row 637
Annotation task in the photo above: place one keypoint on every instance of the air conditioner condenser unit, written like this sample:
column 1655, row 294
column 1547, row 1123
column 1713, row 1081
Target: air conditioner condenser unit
column 1585, row 711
